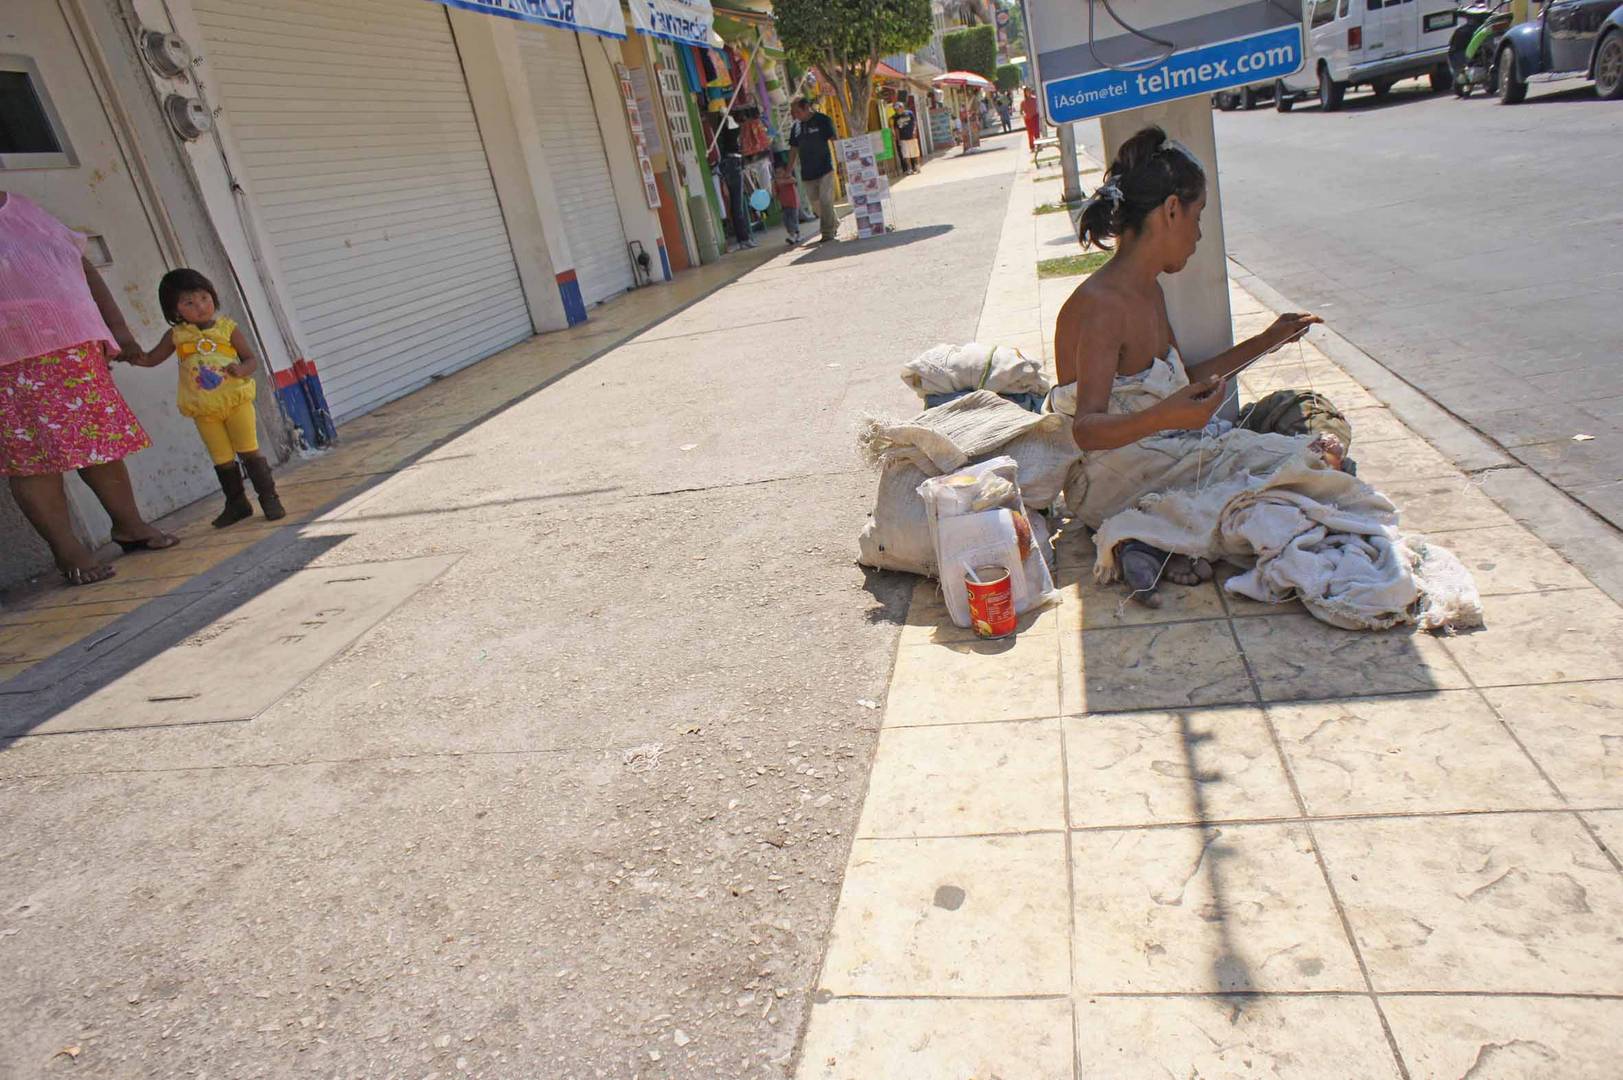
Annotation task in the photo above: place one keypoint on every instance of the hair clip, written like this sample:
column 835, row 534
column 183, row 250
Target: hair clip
column 1178, row 147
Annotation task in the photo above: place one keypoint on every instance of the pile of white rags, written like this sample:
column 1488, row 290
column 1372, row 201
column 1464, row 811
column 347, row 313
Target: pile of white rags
column 971, row 429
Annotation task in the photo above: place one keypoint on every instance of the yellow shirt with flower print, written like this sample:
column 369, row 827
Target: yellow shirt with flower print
column 205, row 388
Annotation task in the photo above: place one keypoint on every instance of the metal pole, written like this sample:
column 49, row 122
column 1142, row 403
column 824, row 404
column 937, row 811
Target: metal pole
column 1072, row 182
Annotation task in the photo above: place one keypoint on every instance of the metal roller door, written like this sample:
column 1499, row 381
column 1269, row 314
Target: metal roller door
column 366, row 166
column 573, row 147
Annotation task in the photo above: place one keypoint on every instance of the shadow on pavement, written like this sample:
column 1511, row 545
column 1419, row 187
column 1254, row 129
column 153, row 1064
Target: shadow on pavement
column 892, row 593
column 846, row 248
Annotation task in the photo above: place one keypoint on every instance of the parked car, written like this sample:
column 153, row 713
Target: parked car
column 1568, row 39
column 1373, row 43
column 1244, row 97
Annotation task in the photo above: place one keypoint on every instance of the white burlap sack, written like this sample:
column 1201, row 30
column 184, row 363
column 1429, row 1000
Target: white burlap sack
column 975, row 427
column 897, row 536
column 947, row 369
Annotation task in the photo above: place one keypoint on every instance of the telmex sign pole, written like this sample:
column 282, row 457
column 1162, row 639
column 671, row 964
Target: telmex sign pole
column 1131, row 63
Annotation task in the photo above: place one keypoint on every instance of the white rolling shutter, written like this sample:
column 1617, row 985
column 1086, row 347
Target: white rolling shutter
column 573, row 146
column 360, row 147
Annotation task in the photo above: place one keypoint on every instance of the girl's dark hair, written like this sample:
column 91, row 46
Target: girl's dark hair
column 1148, row 168
column 176, row 282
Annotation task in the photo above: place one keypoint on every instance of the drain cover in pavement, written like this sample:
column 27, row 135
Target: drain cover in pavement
column 244, row 660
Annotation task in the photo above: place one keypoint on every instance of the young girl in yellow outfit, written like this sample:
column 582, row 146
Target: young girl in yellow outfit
column 216, row 390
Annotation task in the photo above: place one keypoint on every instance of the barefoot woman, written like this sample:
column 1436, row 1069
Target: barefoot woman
column 1146, row 421
column 59, row 407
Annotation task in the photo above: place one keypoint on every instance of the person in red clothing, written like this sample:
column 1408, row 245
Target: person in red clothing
column 1034, row 121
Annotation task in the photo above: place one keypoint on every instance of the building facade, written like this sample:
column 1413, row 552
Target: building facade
column 384, row 191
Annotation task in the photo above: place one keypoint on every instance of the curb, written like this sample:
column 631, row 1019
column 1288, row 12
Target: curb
column 1566, row 525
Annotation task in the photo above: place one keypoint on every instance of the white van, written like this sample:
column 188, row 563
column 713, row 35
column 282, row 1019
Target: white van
column 1370, row 43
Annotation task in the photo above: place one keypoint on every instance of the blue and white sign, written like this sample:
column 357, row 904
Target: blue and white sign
column 1184, row 74
column 686, row 22
column 1094, row 60
column 601, row 17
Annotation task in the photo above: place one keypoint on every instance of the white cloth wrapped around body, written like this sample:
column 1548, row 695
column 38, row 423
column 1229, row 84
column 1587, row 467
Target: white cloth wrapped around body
column 1267, row 503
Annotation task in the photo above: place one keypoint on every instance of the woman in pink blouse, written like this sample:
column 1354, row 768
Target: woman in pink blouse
column 59, row 406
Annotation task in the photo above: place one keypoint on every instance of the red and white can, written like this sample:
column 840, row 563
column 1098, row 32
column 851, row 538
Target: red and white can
column 991, row 601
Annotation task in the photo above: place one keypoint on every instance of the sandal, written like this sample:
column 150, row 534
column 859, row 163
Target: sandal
column 78, row 575
column 159, row 542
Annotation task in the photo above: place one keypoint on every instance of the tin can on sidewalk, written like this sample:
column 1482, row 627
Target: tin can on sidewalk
column 991, row 601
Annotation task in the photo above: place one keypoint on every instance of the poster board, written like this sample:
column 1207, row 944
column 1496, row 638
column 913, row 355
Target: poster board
column 1089, row 63
column 639, row 142
column 866, row 184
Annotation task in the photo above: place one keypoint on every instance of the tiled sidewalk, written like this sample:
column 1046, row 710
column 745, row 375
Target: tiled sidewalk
column 36, row 623
column 1225, row 840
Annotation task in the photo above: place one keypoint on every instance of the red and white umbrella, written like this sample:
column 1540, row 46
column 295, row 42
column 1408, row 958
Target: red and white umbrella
column 962, row 78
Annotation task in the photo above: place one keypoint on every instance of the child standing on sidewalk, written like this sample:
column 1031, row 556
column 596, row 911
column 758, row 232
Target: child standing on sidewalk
column 783, row 186
column 216, row 390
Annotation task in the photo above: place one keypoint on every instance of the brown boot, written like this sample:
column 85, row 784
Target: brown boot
column 237, row 506
column 259, row 471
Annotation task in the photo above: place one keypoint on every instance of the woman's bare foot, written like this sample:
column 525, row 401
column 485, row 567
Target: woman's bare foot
column 1183, row 570
column 86, row 571
column 1329, row 446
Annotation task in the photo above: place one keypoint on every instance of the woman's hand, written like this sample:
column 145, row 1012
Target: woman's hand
column 1290, row 326
column 128, row 351
column 1192, row 407
column 238, row 370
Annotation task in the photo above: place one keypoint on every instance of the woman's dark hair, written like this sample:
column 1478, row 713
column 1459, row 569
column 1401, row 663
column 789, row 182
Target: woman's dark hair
column 1148, row 168
column 176, row 282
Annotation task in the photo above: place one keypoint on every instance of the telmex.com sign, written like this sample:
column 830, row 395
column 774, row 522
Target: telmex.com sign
column 1141, row 52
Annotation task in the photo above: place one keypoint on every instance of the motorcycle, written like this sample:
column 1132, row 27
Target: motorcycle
column 1474, row 43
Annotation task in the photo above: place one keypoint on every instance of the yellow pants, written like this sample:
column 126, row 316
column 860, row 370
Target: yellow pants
column 231, row 433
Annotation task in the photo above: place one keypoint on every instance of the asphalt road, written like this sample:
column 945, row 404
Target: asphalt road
column 1472, row 248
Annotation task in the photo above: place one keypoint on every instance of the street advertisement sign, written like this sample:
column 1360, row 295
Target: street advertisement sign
column 1095, row 57
column 866, row 184
column 639, row 141
column 686, row 22
column 601, row 17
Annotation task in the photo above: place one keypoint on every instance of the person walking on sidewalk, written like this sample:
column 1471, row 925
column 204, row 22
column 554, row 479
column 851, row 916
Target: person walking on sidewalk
column 811, row 142
column 1029, row 111
column 1005, row 111
column 59, row 406
column 783, row 186
column 216, row 390
column 731, row 161
column 906, row 127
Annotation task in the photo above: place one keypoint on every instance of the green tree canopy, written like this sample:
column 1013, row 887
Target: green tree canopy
column 1008, row 76
column 974, row 50
column 844, row 39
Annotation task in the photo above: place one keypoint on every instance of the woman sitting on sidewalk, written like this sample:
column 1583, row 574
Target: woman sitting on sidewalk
column 1144, row 420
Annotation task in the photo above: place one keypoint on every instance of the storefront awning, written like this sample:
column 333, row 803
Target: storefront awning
column 686, row 22
column 602, row 17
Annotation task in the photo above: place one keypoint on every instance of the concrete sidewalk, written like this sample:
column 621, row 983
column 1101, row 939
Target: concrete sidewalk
column 38, row 622
column 1225, row 840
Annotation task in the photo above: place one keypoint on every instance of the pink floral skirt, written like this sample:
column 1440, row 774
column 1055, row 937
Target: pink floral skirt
column 63, row 411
